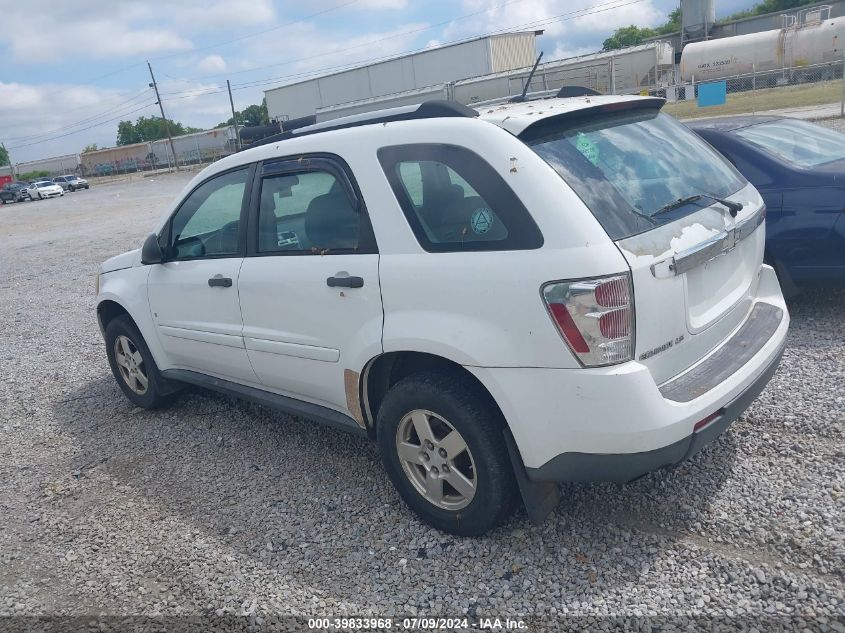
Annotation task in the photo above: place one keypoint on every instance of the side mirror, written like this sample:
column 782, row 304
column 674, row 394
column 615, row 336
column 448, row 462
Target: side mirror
column 151, row 251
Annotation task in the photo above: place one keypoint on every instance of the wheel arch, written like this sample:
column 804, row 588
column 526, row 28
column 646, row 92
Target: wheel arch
column 385, row 370
column 108, row 310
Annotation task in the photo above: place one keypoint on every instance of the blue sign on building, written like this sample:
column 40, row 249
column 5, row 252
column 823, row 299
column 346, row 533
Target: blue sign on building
column 712, row 94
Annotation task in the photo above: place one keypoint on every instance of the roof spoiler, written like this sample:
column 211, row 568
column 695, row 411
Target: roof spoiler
column 551, row 125
column 576, row 91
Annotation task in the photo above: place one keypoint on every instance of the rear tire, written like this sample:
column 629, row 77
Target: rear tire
column 465, row 434
column 133, row 366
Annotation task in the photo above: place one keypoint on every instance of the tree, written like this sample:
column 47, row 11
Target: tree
column 4, row 156
column 673, row 24
column 768, row 6
column 90, row 148
column 626, row 36
column 147, row 129
column 251, row 116
column 127, row 134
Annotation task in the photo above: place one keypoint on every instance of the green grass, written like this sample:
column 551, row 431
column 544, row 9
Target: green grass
column 819, row 93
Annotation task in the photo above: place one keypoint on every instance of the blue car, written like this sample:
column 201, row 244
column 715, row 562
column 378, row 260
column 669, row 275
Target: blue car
column 799, row 169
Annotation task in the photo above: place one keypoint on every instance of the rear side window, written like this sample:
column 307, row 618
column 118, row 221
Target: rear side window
column 455, row 201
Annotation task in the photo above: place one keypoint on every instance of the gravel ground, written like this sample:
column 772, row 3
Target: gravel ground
column 216, row 507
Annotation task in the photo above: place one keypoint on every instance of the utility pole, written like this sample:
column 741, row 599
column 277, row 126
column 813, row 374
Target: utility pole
column 234, row 116
column 154, row 86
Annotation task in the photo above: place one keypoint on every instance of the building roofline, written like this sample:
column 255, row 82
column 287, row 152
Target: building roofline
column 404, row 55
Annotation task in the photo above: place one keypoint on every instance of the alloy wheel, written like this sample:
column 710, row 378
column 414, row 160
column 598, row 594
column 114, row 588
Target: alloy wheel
column 131, row 364
column 436, row 459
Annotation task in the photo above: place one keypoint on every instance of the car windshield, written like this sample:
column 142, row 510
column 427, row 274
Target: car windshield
column 627, row 166
column 797, row 142
column 44, row 183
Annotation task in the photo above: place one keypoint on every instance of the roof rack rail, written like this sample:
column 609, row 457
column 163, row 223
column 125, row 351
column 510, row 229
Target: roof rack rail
column 433, row 109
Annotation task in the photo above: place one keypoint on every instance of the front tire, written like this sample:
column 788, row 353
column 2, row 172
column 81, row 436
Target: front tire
column 441, row 441
column 133, row 366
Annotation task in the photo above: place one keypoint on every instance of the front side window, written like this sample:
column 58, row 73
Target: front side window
column 307, row 212
column 797, row 142
column 455, row 201
column 207, row 223
column 628, row 166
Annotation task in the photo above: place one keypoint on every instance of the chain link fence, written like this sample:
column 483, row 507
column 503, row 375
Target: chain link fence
column 784, row 88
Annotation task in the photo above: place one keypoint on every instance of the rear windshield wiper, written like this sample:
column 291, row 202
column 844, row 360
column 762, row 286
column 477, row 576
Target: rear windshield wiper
column 733, row 207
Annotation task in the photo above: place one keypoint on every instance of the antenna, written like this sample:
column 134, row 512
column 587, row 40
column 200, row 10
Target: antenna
column 521, row 97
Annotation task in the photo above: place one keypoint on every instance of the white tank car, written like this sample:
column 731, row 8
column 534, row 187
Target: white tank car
column 765, row 51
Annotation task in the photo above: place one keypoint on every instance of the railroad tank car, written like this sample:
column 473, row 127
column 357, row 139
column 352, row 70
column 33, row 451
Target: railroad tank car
column 794, row 46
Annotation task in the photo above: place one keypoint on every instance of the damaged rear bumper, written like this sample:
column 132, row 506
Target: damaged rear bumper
column 624, row 467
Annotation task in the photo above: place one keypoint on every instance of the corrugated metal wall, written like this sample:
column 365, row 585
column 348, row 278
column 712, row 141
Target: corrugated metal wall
column 420, row 70
column 56, row 165
column 511, row 51
column 190, row 148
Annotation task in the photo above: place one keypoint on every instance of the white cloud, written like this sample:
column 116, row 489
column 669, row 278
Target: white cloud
column 106, row 29
column 305, row 50
column 98, row 39
column 223, row 14
column 575, row 27
column 212, row 64
column 32, row 125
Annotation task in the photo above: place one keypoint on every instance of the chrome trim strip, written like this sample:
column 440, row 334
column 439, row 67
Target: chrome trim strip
column 720, row 244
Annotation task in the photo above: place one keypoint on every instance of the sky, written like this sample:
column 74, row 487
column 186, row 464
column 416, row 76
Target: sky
column 69, row 71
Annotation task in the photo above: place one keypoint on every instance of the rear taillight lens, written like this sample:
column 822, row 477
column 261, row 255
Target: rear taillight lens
column 595, row 317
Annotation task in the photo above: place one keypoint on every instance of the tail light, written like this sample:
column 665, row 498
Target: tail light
column 595, row 317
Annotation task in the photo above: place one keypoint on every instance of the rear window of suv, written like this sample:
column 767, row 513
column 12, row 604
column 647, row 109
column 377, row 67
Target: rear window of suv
column 455, row 201
column 627, row 166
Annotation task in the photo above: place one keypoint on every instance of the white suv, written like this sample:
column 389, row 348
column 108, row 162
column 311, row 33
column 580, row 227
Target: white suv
column 555, row 290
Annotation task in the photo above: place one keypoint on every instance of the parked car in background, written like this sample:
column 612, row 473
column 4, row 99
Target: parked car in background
column 14, row 192
column 540, row 292
column 71, row 182
column 44, row 189
column 799, row 169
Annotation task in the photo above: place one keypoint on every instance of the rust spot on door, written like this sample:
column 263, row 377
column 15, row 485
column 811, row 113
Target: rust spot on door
column 351, row 380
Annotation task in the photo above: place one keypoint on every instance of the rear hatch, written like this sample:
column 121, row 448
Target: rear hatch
column 654, row 186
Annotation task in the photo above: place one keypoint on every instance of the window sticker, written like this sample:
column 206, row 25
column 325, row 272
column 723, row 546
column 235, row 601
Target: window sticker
column 481, row 221
column 588, row 149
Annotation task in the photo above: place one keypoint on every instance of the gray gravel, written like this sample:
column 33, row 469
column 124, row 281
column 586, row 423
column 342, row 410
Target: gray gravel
column 216, row 506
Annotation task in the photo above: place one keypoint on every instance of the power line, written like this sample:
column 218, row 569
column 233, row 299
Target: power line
column 216, row 89
column 83, row 121
column 258, row 33
column 571, row 15
column 367, row 43
column 526, row 25
column 120, row 116
column 91, row 81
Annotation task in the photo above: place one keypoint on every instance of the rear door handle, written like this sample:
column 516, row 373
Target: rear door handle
column 220, row 281
column 345, row 281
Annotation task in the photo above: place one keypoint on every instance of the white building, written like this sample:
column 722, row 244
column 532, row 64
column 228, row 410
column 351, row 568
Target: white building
column 472, row 58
